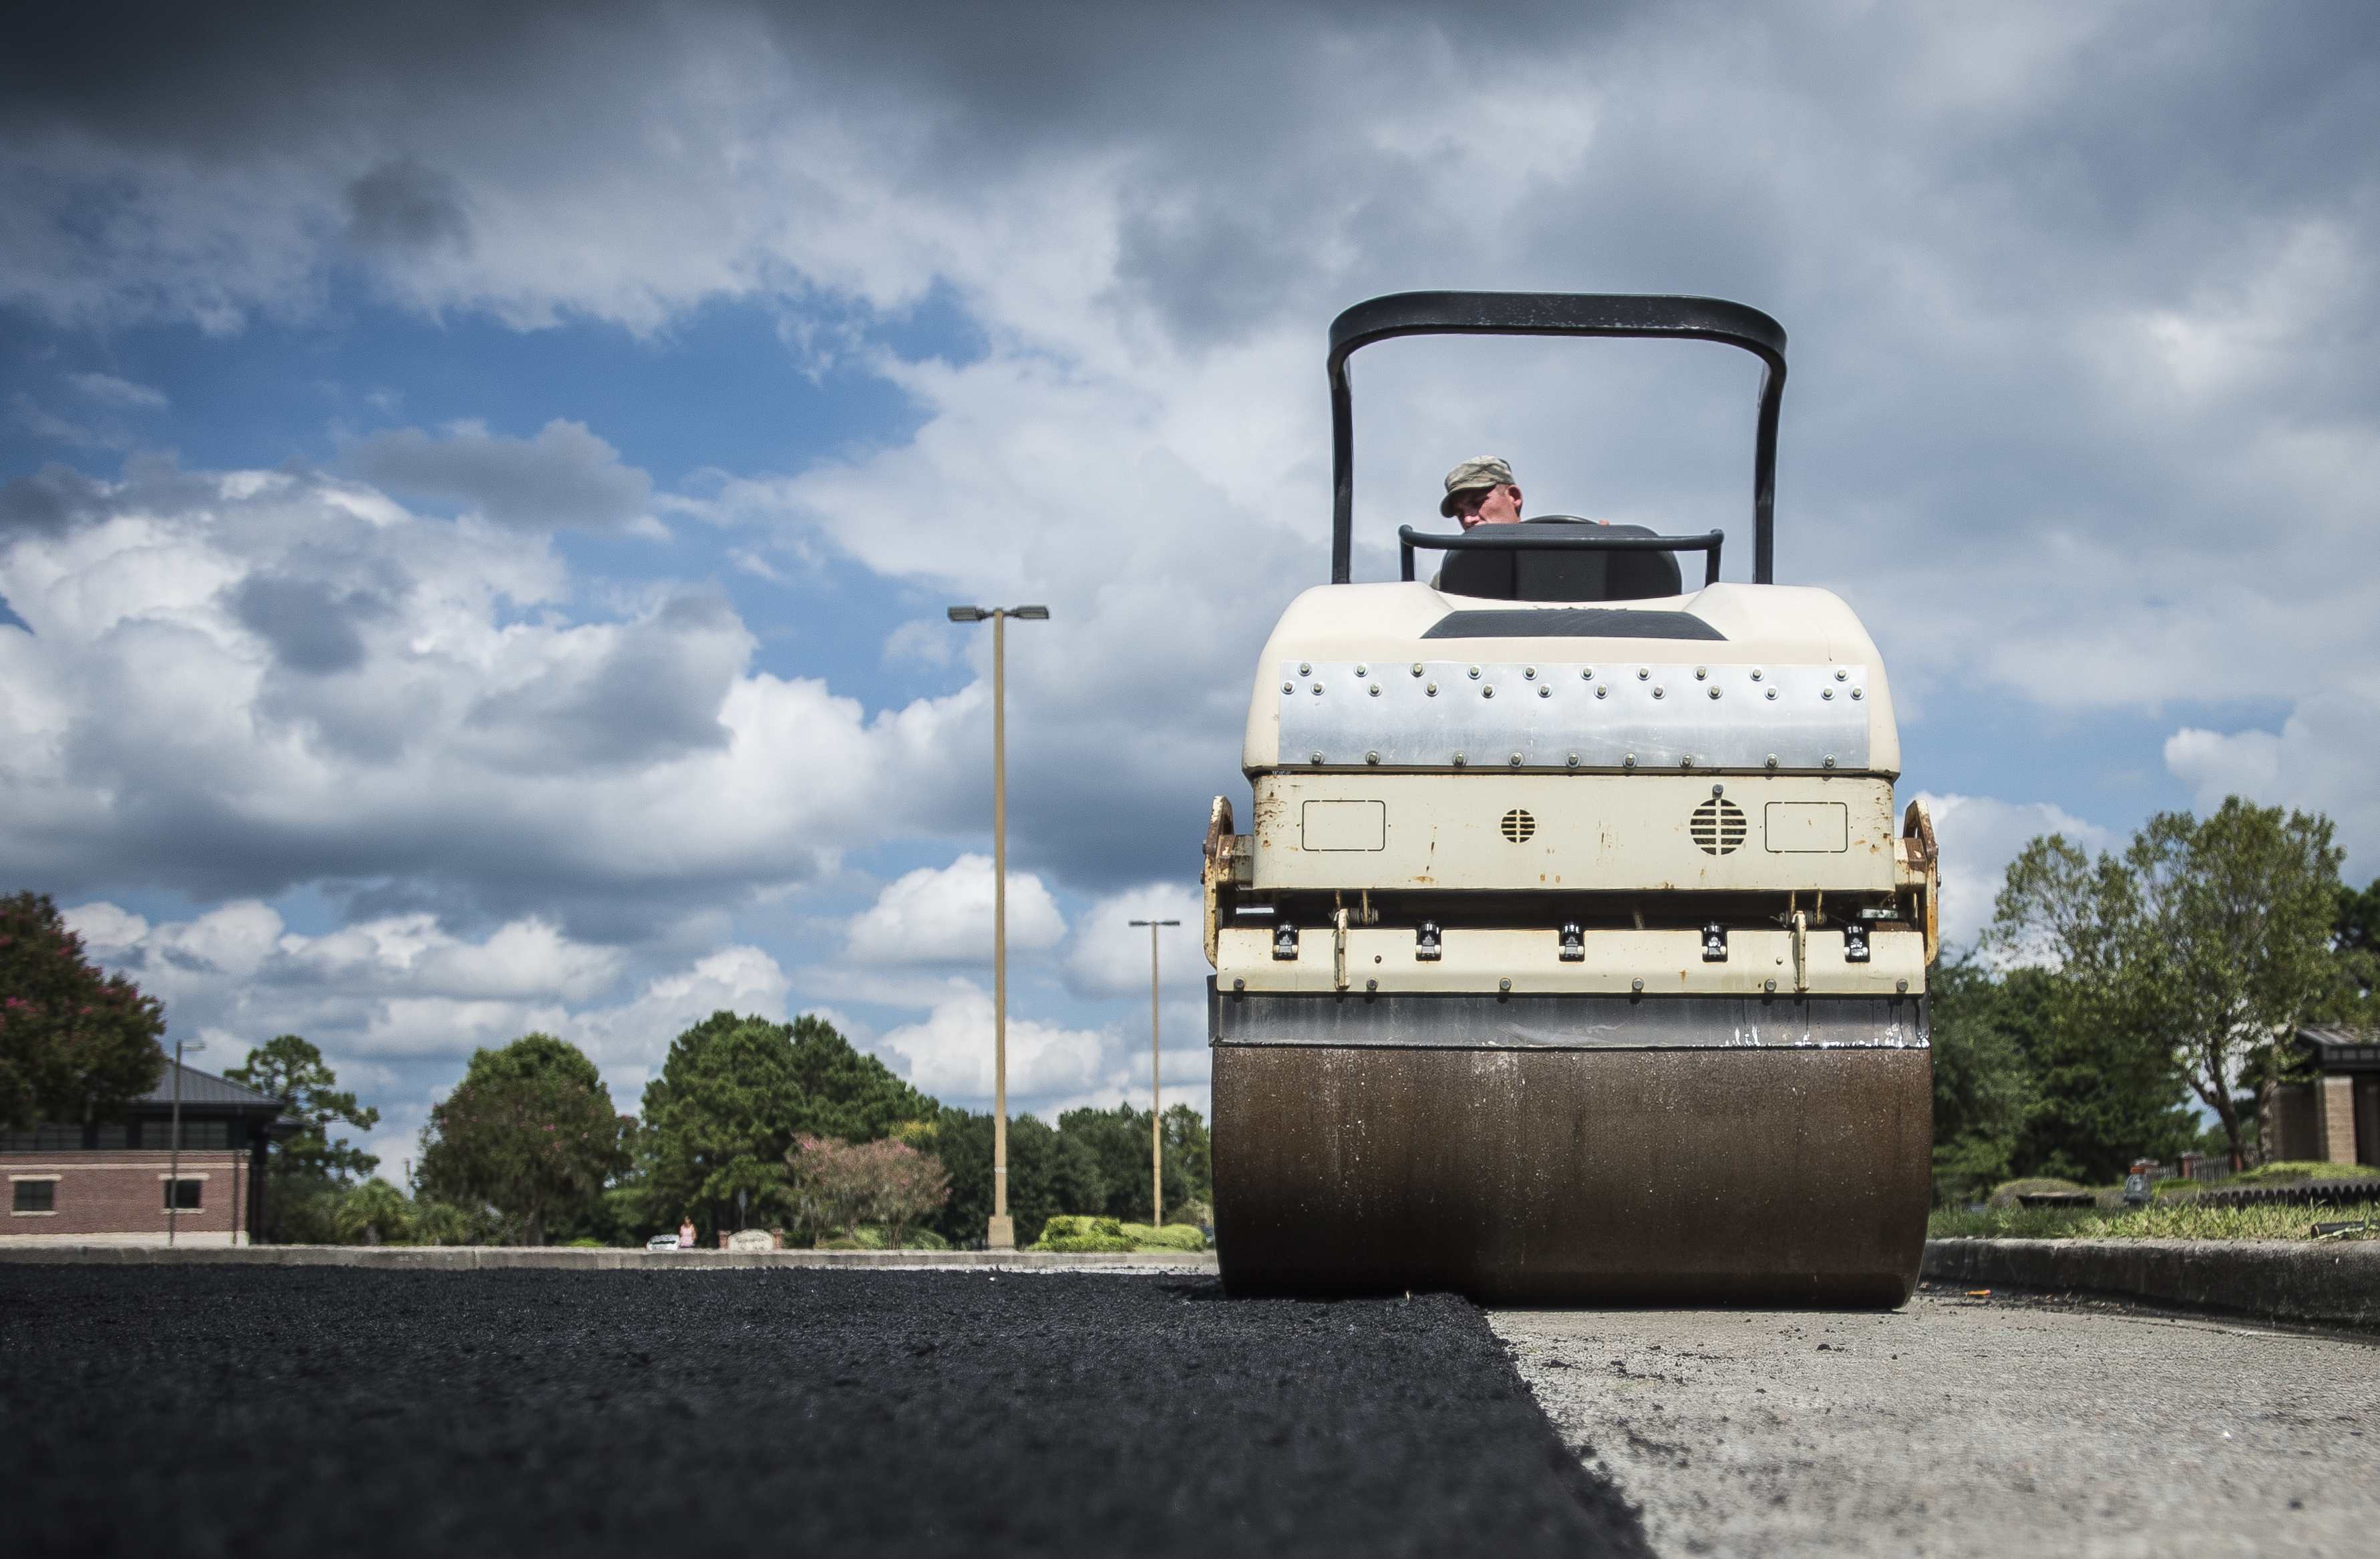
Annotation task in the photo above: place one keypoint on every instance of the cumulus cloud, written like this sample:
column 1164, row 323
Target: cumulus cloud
column 944, row 916
column 2320, row 761
column 236, row 682
column 108, row 390
column 566, row 476
column 948, row 1053
column 1109, row 955
column 1978, row 836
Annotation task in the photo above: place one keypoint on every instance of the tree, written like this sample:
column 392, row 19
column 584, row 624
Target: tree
column 1118, row 1140
column 529, row 1129
column 2206, row 942
column 76, row 1044
column 290, row 1070
column 1185, row 1134
column 1979, row 1081
column 838, row 1185
column 735, row 1091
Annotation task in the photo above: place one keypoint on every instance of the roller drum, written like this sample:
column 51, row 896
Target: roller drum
column 1687, row 1176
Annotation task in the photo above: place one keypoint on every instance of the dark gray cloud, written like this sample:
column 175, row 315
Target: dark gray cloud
column 566, row 476
column 403, row 206
column 311, row 630
column 653, row 693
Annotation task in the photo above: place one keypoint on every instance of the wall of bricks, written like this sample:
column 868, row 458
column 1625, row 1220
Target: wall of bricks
column 121, row 1195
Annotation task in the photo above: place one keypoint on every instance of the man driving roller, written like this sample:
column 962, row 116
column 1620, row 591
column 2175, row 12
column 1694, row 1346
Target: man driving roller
column 1481, row 491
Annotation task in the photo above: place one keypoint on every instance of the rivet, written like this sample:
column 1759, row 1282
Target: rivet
column 1629, row 762
column 1529, row 672
column 1503, row 986
column 1719, row 790
column 1771, row 987
column 1288, row 687
column 1416, row 668
column 1659, row 692
column 1755, row 674
column 1242, row 985
column 1474, row 674
column 1317, row 758
column 1772, row 761
column 1371, row 985
column 1858, row 692
column 1371, row 758
column 1545, row 692
column 1431, row 689
column 1840, row 675
column 1304, row 669
column 1714, row 692
column 1603, row 692
column 1586, row 674
column 1685, row 762
column 1516, row 760
column 1635, row 985
column 1488, row 691
column 1700, row 673
column 1830, row 760
column 1900, row 985
column 1318, row 689
column 1772, row 695
column 1826, row 692
column 1643, row 673
column 1361, row 672
column 1460, row 761
column 1376, row 689
column 1574, row 760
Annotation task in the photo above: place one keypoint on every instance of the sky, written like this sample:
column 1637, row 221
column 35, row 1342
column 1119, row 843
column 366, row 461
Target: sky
column 479, row 485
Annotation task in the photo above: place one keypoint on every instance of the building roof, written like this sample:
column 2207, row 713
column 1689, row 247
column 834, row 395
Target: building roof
column 206, row 1090
column 2342, row 1050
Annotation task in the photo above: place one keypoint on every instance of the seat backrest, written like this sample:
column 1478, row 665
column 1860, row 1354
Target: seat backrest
column 1552, row 575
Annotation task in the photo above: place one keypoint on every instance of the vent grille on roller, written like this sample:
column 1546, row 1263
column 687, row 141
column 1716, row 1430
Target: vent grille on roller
column 1718, row 826
column 1519, row 825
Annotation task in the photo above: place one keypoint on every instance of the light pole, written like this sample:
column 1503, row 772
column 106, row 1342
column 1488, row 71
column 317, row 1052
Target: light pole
column 1002, row 1234
column 173, row 1163
column 1155, row 1125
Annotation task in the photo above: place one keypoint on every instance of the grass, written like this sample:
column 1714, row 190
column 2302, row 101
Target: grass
column 2170, row 1220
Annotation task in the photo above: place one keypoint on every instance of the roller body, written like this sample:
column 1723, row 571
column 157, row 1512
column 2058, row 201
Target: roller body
column 1572, row 953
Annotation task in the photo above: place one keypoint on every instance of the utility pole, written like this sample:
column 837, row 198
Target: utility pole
column 1156, row 1115
column 1002, row 1234
column 173, row 1163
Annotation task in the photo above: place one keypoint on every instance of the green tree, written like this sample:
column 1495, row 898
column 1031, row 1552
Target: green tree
column 76, row 1044
column 2355, row 943
column 1039, row 1167
column 290, row 1070
column 1119, row 1141
column 1980, row 1081
column 1185, row 1134
column 529, row 1131
column 2204, row 945
column 842, row 1185
column 733, row 1094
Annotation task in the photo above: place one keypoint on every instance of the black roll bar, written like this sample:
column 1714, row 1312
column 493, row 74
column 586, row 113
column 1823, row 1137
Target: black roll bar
column 1512, row 538
column 1556, row 314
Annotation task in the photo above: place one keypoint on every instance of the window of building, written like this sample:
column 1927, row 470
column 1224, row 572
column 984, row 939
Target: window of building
column 183, row 1194
column 36, row 1196
column 158, row 1134
column 111, row 1138
column 47, row 1137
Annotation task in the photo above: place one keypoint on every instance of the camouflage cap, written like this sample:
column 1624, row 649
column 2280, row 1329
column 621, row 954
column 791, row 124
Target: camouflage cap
column 1480, row 470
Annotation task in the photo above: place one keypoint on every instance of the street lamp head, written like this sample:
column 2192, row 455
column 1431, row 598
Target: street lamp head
column 968, row 613
column 1153, row 923
column 1030, row 613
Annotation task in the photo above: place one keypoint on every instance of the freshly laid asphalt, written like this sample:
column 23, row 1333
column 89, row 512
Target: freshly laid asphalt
column 267, row 1411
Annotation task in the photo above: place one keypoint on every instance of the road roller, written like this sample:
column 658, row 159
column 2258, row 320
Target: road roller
column 1573, row 952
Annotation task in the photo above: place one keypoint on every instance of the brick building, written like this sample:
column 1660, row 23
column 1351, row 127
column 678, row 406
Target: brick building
column 2336, row 1119
column 115, row 1184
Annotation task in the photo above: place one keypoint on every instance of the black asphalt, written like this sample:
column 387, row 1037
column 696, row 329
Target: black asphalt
column 329, row 1411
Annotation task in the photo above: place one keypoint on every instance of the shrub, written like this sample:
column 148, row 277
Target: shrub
column 839, row 1186
column 1074, row 1231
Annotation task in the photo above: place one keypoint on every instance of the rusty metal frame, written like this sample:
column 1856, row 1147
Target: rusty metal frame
column 1554, row 313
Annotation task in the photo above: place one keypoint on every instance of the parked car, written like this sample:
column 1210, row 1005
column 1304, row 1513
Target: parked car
column 661, row 1242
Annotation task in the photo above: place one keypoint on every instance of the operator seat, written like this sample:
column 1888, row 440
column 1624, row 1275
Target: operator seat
column 1552, row 575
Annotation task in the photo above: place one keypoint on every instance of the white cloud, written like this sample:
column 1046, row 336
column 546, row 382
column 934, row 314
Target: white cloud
column 1978, row 836
column 944, row 916
column 2321, row 762
column 566, row 476
column 108, row 390
column 1109, row 957
column 950, row 1053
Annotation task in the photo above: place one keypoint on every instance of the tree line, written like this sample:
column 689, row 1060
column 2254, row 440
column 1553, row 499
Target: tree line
column 2117, row 1003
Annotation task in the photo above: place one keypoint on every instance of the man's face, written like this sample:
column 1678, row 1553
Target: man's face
column 1488, row 505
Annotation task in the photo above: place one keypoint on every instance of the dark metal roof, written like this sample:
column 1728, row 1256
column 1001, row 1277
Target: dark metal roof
column 205, row 1089
column 2342, row 1050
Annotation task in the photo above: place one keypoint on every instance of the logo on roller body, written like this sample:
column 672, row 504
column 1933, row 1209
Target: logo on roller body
column 1518, row 825
column 1718, row 826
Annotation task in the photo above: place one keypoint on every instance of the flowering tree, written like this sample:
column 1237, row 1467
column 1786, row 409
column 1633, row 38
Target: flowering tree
column 529, row 1131
column 838, row 1185
column 72, row 1042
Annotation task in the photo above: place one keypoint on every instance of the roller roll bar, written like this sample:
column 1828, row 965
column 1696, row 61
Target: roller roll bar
column 1556, row 314
column 1510, row 537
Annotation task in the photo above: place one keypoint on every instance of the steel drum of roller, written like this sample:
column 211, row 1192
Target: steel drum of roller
column 1574, row 952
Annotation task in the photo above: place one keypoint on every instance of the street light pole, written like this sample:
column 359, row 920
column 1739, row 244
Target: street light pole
column 1001, row 1232
column 173, row 1160
column 1156, row 1121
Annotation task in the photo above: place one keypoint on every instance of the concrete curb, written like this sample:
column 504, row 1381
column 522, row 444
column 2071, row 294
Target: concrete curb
column 2336, row 1285
column 476, row 1257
